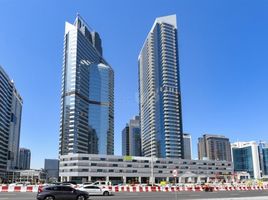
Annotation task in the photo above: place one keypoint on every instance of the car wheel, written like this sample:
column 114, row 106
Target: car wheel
column 106, row 193
column 49, row 198
column 81, row 197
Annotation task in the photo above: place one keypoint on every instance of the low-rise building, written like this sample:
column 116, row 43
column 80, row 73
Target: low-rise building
column 32, row 176
column 128, row 169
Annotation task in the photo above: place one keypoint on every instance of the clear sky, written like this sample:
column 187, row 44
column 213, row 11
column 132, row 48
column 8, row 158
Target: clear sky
column 223, row 52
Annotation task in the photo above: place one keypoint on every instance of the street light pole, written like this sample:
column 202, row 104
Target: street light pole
column 152, row 163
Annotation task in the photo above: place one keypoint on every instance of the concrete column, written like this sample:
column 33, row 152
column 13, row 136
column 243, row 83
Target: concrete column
column 152, row 179
column 167, row 179
column 198, row 179
column 124, row 179
column 207, row 179
column 107, row 178
column 68, row 178
column 179, row 179
column 89, row 178
column 139, row 179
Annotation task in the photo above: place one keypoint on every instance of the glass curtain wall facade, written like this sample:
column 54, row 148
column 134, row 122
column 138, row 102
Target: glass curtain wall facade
column 87, row 98
column 265, row 161
column 245, row 157
column 263, row 156
column 187, row 146
column 10, row 120
column 14, row 136
column 25, row 159
column 159, row 91
column 243, row 160
column 131, row 138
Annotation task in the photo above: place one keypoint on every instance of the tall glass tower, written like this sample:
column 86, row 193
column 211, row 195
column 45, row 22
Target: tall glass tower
column 87, row 98
column 10, row 123
column 159, row 91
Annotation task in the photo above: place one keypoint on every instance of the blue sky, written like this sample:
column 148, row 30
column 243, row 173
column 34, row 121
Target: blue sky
column 222, row 51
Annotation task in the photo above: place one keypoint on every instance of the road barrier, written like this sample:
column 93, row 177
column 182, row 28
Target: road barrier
column 34, row 188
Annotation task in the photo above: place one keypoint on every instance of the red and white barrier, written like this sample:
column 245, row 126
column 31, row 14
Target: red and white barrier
column 34, row 188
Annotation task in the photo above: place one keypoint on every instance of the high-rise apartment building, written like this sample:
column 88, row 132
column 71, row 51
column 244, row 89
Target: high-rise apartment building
column 246, row 158
column 187, row 146
column 214, row 147
column 10, row 120
column 24, row 159
column 131, row 138
column 87, row 98
column 159, row 91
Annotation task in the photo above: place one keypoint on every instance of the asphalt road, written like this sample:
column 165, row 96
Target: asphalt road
column 223, row 195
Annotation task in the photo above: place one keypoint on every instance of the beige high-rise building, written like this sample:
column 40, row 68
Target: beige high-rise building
column 214, row 147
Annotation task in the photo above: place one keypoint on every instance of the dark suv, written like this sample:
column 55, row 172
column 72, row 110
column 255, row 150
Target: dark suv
column 60, row 192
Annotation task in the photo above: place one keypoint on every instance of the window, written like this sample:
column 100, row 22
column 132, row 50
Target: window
column 91, row 187
column 67, row 189
column 49, row 188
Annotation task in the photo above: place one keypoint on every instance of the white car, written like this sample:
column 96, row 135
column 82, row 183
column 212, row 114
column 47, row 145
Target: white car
column 96, row 190
column 102, row 183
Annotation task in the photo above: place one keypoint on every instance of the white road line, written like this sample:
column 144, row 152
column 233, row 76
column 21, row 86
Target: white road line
column 238, row 198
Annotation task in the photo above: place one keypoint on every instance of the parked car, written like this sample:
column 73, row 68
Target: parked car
column 61, row 192
column 96, row 190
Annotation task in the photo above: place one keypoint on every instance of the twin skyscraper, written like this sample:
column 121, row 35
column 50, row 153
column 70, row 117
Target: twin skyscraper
column 87, row 98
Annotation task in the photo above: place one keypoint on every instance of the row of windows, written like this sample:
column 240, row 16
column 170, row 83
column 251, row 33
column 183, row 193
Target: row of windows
column 146, row 161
